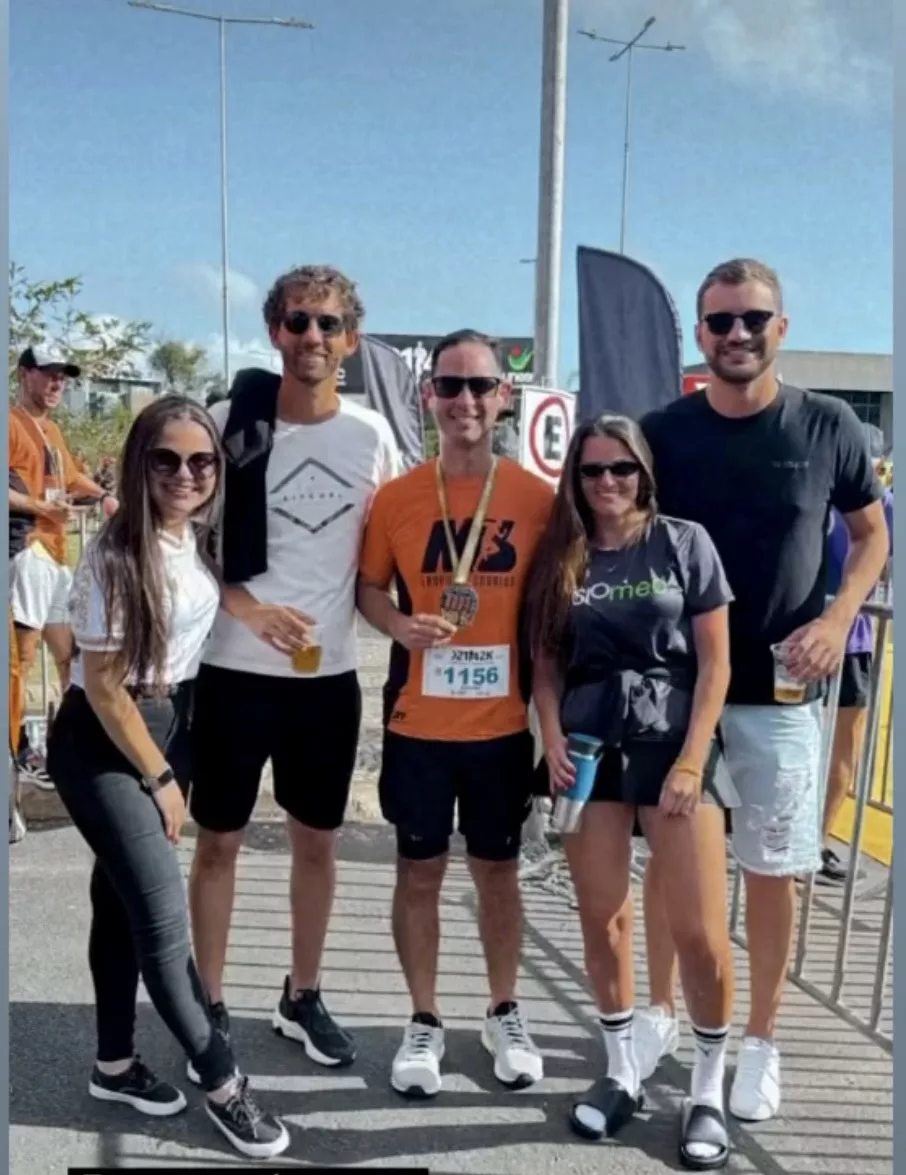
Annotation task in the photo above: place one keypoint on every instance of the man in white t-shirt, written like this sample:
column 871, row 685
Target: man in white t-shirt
column 279, row 678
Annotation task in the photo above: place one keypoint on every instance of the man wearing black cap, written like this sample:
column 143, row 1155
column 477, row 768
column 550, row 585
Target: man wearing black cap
column 42, row 479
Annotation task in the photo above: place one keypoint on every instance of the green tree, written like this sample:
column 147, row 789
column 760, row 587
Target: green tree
column 180, row 366
column 95, row 434
column 47, row 312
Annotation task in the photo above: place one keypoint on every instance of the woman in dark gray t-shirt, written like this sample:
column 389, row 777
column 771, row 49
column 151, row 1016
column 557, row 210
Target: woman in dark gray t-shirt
column 628, row 621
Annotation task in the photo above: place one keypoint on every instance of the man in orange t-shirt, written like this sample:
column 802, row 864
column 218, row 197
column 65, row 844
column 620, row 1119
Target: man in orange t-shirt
column 455, row 536
column 42, row 477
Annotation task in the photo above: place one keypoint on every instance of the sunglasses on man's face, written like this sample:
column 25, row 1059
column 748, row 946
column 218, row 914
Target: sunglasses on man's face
column 168, row 463
column 448, row 387
column 721, row 322
column 299, row 321
column 592, row 470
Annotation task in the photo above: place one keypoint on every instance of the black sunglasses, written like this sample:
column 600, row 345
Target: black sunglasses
column 448, row 387
column 722, row 321
column 620, row 469
column 169, row 463
column 330, row 325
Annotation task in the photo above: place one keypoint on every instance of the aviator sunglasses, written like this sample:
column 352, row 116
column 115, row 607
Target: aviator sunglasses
column 620, row 469
column 168, row 463
column 721, row 322
column 298, row 322
column 448, row 387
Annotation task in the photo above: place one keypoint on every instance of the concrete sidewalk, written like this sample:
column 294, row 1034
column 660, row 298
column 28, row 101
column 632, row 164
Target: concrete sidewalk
column 837, row 1113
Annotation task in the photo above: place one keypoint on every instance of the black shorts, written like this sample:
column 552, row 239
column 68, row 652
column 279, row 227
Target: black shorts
column 855, row 681
column 424, row 780
column 307, row 726
column 635, row 775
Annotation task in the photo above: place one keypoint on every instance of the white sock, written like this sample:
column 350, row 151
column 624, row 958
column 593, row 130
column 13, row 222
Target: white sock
column 708, row 1070
column 708, row 1078
column 620, row 1044
column 114, row 1068
column 223, row 1093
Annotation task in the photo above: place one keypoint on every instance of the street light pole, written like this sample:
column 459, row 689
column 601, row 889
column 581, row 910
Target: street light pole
column 626, row 50
column 549, row 263
column 222, row 22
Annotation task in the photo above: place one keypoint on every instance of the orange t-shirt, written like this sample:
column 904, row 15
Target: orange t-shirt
column 38, row 454
column 468, row 690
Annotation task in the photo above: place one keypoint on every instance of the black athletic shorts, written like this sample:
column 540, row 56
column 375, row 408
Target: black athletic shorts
column 307, row 726
column 423, row 782
column 855, row 681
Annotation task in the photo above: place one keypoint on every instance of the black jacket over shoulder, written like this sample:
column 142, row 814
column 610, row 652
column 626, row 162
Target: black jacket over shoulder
column 247, row 441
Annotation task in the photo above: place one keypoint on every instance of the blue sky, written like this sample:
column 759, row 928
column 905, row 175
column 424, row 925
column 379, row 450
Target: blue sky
column 400, row 139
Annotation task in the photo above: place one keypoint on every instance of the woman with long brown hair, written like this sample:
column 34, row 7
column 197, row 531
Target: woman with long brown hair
column 142, row 604
column 628, row 619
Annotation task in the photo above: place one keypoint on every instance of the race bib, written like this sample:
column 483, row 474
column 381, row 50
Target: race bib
column 467, row 673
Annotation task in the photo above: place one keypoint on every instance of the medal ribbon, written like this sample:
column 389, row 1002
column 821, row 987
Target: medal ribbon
column 462, row 567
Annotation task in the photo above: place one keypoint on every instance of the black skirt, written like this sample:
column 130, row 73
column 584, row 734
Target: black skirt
column 634, row 774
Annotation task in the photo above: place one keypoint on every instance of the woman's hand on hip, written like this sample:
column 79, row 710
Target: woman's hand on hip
column 682, row 790
column 172, row 804
column 559, row 766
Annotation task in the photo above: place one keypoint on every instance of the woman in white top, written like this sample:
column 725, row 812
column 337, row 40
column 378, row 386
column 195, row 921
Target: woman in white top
column 142, row 604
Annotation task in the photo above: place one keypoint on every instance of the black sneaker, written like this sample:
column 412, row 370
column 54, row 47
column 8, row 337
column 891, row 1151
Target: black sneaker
column 221, row 1019
column 304, row 1018
column 139, row 1088
column 834, row 870
column 252, row 1132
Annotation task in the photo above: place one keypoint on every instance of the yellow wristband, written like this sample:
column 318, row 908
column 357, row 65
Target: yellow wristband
column 687, row 769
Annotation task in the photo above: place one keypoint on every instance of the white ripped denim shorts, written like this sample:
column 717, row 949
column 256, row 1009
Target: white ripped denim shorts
column 775, row 756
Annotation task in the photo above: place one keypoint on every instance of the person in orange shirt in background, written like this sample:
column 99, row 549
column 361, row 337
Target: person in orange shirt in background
column 456, row 536
column 43, row 478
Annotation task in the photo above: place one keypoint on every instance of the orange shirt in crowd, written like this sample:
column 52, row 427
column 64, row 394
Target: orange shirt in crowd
column 39, row 456
column 469, row 689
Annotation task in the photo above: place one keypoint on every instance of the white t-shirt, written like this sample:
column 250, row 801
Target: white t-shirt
column 191, row 597
column 321, row 479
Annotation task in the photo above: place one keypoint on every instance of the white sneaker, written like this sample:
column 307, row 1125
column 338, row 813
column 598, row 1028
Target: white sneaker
column 517, row 1061
column 655, row 1035
column 755, row 1094
column 416, row 1066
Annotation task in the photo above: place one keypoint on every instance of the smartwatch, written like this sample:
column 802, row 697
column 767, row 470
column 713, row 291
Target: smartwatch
column 153, row 783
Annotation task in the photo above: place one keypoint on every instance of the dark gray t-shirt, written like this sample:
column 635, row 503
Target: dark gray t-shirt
column 636, row 607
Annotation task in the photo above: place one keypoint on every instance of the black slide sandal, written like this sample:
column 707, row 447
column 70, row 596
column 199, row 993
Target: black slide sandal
column 707, row 1127
column 613, row 1103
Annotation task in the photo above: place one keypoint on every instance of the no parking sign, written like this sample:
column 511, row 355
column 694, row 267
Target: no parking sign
column 546, row 428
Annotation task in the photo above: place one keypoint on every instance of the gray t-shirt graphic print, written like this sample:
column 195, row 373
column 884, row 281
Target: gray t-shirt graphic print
column 629, row 636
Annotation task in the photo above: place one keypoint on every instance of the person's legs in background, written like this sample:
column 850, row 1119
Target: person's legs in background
column 846, row 754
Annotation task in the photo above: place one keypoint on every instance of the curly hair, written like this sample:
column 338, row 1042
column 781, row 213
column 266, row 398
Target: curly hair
column 320, row 281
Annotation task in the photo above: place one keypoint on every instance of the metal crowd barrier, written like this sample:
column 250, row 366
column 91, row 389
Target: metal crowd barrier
column 842, row 952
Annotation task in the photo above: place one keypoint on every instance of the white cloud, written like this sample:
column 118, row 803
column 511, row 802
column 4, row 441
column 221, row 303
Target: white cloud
column 254, row 352
column 208, row 280
column 834, row 50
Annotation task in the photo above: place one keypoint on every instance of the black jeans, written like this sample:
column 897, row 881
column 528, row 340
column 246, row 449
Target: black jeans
column 140, row 920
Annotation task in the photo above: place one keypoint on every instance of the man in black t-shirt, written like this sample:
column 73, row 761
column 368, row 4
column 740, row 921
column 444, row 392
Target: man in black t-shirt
column 760, row 464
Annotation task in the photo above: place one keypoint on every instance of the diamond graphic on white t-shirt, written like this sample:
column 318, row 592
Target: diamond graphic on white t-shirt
column 311, row 496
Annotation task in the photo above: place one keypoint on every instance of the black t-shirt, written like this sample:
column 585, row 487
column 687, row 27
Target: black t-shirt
column 634, row 615
column 763, row 487
column 20, row 525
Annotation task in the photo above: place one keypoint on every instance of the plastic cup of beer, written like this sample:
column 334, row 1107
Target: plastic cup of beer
column 308, row 658
column 787, row 689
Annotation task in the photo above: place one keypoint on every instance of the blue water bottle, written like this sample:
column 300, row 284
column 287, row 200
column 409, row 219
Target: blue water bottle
column 584, row 753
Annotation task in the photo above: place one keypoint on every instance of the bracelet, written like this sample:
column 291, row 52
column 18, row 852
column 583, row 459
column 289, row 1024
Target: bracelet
column 687, row 769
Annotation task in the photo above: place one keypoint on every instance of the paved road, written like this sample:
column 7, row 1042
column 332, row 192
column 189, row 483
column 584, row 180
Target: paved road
column 832, row 1072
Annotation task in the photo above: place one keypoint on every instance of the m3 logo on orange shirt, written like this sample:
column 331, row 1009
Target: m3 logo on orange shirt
column 496, row 555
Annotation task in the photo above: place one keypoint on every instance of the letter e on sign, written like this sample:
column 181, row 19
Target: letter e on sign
column 547, row 425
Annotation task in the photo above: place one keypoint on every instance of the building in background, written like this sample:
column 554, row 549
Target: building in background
column 865, row 381
column 98, row 395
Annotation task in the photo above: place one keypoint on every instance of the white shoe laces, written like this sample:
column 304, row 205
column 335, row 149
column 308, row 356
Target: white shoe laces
column 513, row 1028
column 419, row 1041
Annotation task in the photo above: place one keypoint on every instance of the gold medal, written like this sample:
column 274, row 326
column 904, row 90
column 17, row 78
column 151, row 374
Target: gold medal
column 459, row 600
column 459, row 604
